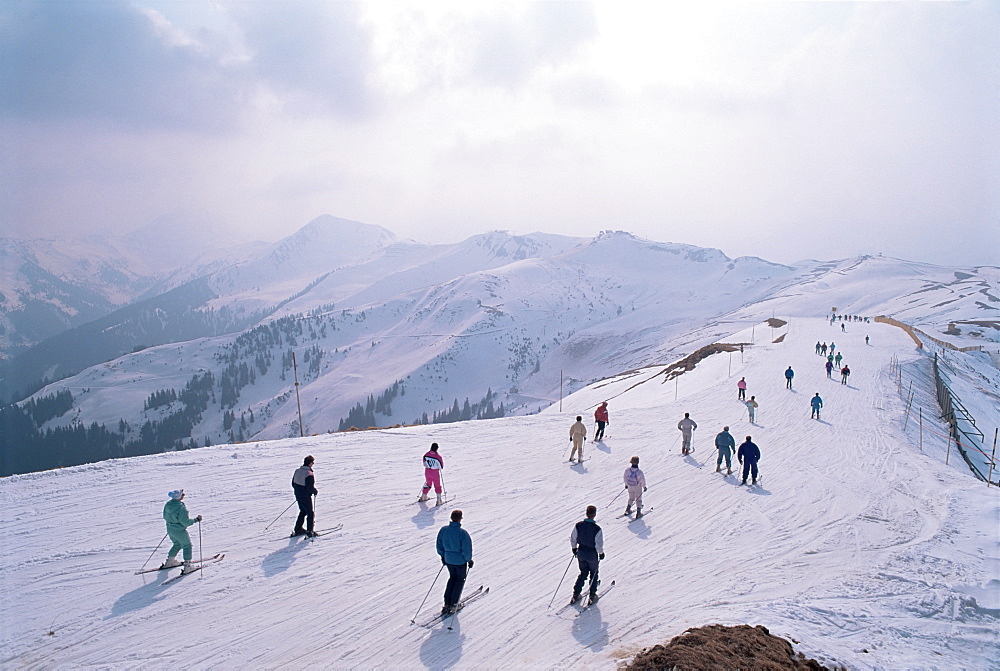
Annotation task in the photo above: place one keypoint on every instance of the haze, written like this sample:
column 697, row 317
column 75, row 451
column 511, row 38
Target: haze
column 781, row 130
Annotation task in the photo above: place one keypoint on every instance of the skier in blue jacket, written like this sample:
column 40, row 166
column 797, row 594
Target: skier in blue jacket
column 789, row 374
column 176, row 516
column 749, row 455
column 454, row 545
column 724, row 443
column 816, row 403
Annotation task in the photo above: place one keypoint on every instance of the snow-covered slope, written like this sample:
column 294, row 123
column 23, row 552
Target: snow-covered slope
column 866, row 551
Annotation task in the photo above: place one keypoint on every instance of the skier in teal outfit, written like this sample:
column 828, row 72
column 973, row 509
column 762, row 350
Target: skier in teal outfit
column 176, row 515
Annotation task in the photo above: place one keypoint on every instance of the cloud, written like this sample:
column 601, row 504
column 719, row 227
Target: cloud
column 315, row 55
column 108, row 62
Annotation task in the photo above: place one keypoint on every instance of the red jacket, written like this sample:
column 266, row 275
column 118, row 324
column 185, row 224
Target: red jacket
column 601, row 414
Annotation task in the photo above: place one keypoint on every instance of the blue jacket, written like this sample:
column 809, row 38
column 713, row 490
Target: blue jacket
column 817, row 402
column 725, row 439
column 789, row 373
column 750, row 451
column 176, row 515
column 454, row 544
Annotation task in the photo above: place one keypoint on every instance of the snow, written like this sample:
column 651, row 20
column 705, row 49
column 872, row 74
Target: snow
column 865, row 550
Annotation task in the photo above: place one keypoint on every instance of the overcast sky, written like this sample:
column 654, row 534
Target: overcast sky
column 778, row 129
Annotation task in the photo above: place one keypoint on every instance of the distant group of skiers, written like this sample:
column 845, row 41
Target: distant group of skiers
column 834, row 361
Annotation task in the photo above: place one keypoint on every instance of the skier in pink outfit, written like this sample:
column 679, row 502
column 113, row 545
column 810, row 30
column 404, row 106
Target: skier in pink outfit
column 433, row 465
column 741, row 386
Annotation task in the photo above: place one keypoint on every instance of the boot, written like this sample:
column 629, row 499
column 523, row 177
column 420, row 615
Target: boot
column 423, row 496
column 297, row 532
column 439, row 500
column 628, row 510
column 576, row 597
column 171, row 562
column 718, row 468
column 638, row 512
column 188, row 568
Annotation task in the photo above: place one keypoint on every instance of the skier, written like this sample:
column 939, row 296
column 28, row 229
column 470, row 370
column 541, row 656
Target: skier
column 752, row 408
column 829, row 369
column 587, row 542
column 845, row 373
column 837, row 359
column 789, row 374
column 454, row 544
column 304, row 486
column 176, row 516
column 635, row 482
column 833, row 346
column 601, row 417
column 741, row 389
column 686, row 426
column 817, row 347
column 843, row 329
column 822, row 349
column 577, row 434
column 725, row 444
column 749, row 455
column 866, row 340
column 816, row 403
column 433, row 465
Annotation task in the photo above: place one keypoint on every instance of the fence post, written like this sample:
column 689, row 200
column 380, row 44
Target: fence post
column 948, row 453
column 989, row 480
column 921, row 429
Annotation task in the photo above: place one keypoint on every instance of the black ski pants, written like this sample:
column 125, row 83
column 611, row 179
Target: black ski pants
column 589, row 564
column 749, row 467
column 456, row 583
column 600, row 430
column 306, row 514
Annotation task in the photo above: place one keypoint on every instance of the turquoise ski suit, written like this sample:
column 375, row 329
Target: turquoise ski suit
column 176, row 515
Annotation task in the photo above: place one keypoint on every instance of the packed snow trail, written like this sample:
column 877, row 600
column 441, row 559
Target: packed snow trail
column 854, row 541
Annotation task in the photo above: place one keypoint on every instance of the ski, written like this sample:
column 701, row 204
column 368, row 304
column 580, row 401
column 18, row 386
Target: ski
column 321, row 532
column 472, row 596
column 213, row 558
column 466, row 602
column 181, row 575
column 645, row 511
column 600, row 595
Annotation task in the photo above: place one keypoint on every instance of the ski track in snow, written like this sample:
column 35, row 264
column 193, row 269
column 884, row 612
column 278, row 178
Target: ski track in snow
column 853, row 540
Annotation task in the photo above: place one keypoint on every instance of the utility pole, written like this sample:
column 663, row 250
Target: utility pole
column 295, row 369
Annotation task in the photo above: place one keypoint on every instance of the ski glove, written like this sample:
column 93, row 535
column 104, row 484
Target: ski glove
column 574, row 552
column 601, row 556
column 198, row 519
column 645, row 489
column 471, row 563
column 442, row 560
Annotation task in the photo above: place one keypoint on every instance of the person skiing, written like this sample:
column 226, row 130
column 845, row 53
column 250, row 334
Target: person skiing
column 686, row 426
column 822, row 350
column 845, row 373
column 454, row 545
column 829, row 369
column 866, row 340
column 587, row 543
column 833, row 346
column 752, row 408
column 741, row 389
column 433, row 465
column 635, row 483
column 577, row 434
column 725, row 444
column 176, row 516
column 304, row 486
column 601, row 417
column 837, row 359
column 816, row 402
column 817, row 347
column 749, row 455
column 789, row 374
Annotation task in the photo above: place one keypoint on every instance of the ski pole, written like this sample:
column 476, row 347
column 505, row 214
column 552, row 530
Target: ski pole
column 443, row 487
column 561, row 580
column 153, row 552
column 201, row 551
column 616, row 497
column 427, row 595
column 279, row 516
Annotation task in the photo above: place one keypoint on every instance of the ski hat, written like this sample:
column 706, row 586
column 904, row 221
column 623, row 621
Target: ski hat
column 176, row 495
column 635, row 460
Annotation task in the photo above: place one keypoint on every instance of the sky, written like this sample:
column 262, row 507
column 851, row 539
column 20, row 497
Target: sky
column 786, row 130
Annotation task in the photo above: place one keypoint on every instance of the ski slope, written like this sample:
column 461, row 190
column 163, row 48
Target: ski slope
column 861, row 548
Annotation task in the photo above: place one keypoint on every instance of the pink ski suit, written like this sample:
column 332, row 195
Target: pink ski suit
column 433, row 465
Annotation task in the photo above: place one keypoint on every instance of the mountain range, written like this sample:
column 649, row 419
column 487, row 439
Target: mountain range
column 379, row 331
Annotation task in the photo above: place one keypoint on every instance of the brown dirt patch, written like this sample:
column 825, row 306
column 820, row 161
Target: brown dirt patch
column 776, row 323
column 779, row 338
column 716, row 647
column 691, row 360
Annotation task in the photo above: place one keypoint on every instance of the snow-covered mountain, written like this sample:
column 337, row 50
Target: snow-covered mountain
column 391, row 332
column 862, row 543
